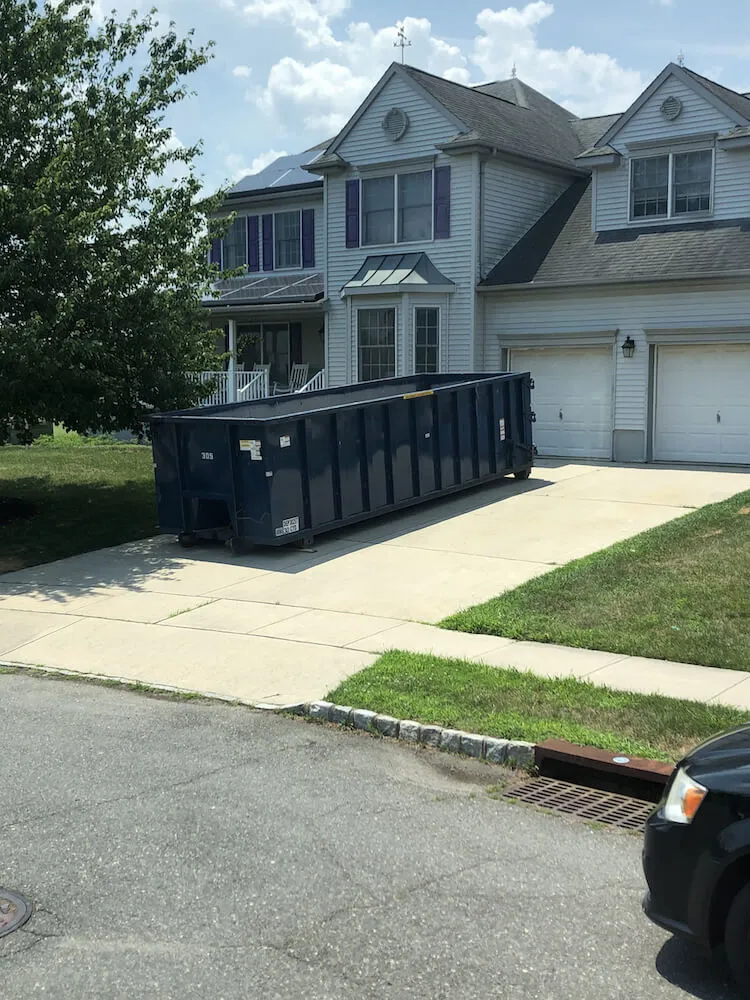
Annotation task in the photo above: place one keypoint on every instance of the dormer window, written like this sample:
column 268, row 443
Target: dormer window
column 671, row 185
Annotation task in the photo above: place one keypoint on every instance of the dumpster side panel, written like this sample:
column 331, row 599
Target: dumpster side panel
column 167, row 477
column 272, row 472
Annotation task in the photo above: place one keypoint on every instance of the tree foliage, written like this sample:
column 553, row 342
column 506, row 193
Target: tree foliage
column 103, row 235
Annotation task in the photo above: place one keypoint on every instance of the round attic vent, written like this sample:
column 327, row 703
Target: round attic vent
column 671, row 108
column 395, row 124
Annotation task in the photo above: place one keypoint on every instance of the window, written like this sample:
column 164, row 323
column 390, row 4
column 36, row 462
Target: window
column 287, row 239
column 235, row 245
column 415, row 207
column 397, row 208
column 691, row 184
column 662, row 187
column 377, row 210
column 426, row 340
column 376, row 343
column 650, row 187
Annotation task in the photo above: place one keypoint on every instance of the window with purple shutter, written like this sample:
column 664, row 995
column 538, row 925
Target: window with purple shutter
column 215, row 257
column 308, row 237
column 442, row 229
column 268, row 243
column 352, row 213
column 253, row 249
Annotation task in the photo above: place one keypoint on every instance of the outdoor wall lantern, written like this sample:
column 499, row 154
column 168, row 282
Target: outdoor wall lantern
column 628, row 347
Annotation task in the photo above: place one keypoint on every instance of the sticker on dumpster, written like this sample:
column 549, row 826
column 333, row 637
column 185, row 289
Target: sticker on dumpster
column 253, row 447
column 502, row 429
column 285, row 441
column 289, row 526
column 207, row 456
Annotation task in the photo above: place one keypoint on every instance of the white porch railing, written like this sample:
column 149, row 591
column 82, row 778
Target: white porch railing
column 318, row 381
column 232, row 386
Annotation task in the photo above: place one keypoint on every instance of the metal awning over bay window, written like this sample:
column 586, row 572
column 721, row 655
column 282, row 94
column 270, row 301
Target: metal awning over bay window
column 406, row 272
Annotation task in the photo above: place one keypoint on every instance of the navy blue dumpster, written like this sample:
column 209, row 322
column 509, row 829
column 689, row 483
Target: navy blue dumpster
column 286, row 468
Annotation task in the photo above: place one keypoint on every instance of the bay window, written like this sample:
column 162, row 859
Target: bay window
column 376, row 344
column 426, row 340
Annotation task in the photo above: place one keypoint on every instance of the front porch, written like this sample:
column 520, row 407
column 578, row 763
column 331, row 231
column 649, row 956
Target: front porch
column 269, row 347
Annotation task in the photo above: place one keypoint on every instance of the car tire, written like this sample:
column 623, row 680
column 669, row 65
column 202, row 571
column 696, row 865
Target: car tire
column 737, row 938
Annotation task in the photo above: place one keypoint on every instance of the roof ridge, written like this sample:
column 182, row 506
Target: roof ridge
column 715, row 83
column 455, row 83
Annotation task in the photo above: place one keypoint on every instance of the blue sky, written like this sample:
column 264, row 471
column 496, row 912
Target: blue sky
column 287, row 74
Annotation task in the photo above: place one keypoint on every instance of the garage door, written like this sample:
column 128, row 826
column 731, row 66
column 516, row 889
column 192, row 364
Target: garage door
column 702, row 411
column 572, row 399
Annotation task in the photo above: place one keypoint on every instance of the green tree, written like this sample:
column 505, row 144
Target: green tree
column 104, row 237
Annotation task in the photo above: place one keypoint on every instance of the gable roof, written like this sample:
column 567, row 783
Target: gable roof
column 732, row 104
column 507, row 116
column 561, row 249
column 539, row 131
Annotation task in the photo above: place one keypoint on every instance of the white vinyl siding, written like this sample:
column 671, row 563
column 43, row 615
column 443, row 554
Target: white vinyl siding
column 731, row 169
column 711, row 309
column 454, row 257
column 367, row 143
column 702, row 406
column 513, row 199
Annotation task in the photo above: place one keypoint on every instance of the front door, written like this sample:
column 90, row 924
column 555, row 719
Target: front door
column 266, row 344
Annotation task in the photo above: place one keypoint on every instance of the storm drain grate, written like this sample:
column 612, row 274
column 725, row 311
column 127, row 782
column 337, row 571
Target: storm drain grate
column 588, row 803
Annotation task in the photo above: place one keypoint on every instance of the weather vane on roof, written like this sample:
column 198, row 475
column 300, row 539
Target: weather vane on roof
column 681, row 58
column 403, row 42
column 514, row 72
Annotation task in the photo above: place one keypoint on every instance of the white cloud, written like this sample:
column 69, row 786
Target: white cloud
column 589, row 83
column 309, row 18
column 241, row 71
column 324, row 91
column 235, row 163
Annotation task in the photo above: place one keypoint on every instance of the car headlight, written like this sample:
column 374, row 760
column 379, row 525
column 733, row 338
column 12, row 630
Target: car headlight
column 684, row 799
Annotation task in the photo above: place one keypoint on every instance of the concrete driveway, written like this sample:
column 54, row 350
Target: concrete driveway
column 284, row 624
column 185, row 850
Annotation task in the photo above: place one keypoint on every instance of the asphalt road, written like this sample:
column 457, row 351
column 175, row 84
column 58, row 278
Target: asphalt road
column 185, row 849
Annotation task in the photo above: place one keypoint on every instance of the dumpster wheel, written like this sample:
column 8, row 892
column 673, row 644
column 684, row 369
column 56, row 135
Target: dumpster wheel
column 523, row 474
column 187, row 539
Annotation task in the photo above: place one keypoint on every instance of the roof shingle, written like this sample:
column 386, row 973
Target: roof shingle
column 561, row 249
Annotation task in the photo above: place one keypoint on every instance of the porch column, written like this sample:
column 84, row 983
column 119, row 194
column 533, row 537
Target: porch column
column 231, row 365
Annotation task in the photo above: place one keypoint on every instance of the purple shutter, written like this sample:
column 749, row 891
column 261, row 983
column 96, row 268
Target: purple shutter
column 442, row 228
column 253, row 253
column 268, row 243
column 308, row 237
column 215, row 257
column 352, row 213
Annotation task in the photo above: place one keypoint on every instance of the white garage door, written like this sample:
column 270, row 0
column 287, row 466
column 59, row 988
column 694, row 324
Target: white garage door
column 572, row 399
column 702, row 411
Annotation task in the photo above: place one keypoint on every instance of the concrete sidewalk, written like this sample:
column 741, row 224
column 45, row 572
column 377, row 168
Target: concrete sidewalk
column 286, row 625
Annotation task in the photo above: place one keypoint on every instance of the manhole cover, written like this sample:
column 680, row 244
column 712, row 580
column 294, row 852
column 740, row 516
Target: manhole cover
column 14, row 911
column 588, row 803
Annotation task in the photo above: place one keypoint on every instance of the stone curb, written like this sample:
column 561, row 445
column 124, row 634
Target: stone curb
column 515, row 753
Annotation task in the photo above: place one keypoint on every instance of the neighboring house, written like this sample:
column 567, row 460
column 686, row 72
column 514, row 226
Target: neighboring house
column 487, row 228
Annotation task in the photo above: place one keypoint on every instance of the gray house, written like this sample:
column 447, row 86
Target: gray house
column 483, row 228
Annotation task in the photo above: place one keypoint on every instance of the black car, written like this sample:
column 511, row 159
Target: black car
column 696, row 852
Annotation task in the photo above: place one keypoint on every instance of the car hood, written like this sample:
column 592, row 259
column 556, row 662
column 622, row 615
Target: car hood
column 723, row 761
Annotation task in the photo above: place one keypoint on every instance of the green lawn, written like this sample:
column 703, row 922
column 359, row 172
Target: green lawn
column 85, row 497
column 514, row 705
column 678, row 592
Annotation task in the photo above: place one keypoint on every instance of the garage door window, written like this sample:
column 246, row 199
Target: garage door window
column 376, row 343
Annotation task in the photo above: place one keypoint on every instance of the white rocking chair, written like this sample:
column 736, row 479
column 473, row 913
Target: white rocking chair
column 297, row 378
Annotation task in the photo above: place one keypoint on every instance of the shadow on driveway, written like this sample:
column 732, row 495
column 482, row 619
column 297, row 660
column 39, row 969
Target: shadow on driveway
column 698, row 975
